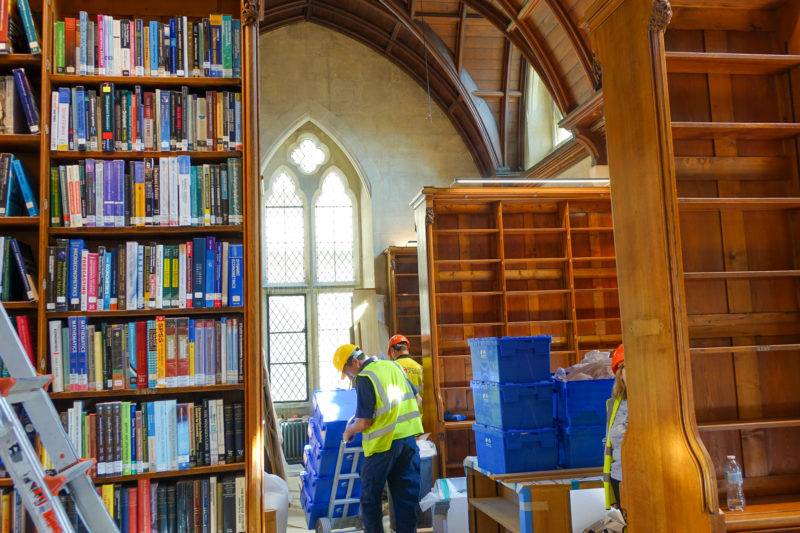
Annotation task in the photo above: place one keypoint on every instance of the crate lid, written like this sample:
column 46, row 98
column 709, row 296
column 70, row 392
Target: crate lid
column 335, row 405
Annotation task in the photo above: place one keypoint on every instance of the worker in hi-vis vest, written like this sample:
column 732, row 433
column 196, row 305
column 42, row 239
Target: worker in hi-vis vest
column 616, row 424
column 398, row 352
column 387, row 413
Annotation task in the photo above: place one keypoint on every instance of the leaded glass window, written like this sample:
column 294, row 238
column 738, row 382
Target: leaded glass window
column 288, row 348
column 285, row 233
column 334, row 235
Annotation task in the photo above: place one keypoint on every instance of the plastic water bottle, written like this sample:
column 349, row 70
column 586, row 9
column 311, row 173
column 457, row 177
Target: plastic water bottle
column 734, row 480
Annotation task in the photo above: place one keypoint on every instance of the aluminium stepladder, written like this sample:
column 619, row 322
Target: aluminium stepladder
column 39, row 492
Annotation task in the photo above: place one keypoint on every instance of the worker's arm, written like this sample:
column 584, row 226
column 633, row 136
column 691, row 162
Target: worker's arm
column 357, row 427
column 419, row 400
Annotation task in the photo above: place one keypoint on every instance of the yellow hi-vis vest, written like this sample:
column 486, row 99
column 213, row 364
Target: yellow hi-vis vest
column 413, row 371
column 396, row 413
column 607, row 457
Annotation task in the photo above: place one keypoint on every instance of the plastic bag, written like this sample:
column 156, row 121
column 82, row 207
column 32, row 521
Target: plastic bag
column 612, row 523
column 596, row 364
column 276, row 496
column 444, row 490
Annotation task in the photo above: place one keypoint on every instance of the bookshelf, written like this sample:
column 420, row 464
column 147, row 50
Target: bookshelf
column 516, row 262
column 403, row 287
column 35, row 153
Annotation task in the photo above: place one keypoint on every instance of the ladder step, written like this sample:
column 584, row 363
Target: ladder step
column 349, row 476
column 76, row 470
column 18, row 390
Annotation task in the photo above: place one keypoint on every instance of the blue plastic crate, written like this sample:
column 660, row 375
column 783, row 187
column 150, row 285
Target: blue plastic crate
column 503, row 451
column 582, row 403
column 319, row 488
column 580, row 446
column 314, row 511
column 511, row 359
column 314, row 436
column 332, row 410
column 513, row 405
column 323, row 462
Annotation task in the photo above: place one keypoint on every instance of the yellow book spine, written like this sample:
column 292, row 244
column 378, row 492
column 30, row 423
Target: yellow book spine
column 108, row 498
column 98, row 360
column 206, row 195
column 138, row 203
column 5, row 508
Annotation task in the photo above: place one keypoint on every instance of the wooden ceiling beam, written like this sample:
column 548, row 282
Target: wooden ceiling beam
column 393, row 38
column 578, row 44
column 496, row 95
column 283, row 8
column 412, row 9
column 522, row 134
column 529, row 45
column 524, row 11
column 440, row 15
column 504, row 105
column 462, row 32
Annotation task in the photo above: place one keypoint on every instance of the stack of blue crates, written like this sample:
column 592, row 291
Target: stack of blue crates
column 581, row 417
column 513, row 397
column 332, row 410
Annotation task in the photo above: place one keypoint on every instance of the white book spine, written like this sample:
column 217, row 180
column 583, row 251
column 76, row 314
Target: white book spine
column 213, row 431
column 163, row 178
column 131, row 275
column 174, row 197
column 241, row 506
column 172, row 407
column 54, row 120
column 99, row 191
column 56, row 355
column 182, row 276
column 63, row 126
column 117, row 49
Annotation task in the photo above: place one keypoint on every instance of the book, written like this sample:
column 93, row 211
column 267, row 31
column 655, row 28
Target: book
column 28, row 196
column 30, row 27
column 23, row 257
column 29, row 106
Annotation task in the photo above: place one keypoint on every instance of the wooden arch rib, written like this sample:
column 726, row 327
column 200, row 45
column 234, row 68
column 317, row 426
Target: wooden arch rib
column 361, row 23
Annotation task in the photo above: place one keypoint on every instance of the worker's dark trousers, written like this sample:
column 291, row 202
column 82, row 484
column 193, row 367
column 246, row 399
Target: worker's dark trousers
column 399, row 467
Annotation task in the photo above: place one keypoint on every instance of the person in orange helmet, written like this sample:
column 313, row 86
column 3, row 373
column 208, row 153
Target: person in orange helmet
column 399, row 352
column 616, row 424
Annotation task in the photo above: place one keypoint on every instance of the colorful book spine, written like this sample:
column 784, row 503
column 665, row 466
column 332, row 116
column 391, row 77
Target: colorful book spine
column 29, row 105
column 30, row 27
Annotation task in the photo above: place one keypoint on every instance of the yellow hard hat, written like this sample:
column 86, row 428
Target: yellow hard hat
column 342, row 355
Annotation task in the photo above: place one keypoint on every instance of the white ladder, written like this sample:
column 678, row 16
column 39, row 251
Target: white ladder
column 39, row 492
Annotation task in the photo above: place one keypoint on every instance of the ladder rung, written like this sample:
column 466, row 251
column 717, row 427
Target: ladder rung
column 17, row 388
column 77, row 469
column 349, row 476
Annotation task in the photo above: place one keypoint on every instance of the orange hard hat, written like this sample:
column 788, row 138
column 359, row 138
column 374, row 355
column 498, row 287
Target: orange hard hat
column 617, row 359
column 397, row 339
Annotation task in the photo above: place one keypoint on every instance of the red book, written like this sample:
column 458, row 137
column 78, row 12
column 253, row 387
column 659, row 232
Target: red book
column 144, row 505
column 24, row 333
column 141, row 355
column 183, row 352
column 133, row 510
column 4, row 49
column 91, row 282
column 69, row 45
column 147, row 127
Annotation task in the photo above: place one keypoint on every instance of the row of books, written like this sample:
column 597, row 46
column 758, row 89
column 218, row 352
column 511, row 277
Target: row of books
column 132, row 119
column 18, row 276
column 164, row 191
column 202, row 272
column 19, row 111
column 105, row 46
column 147, row 354
column 18, row 30
column 13, row 518
column 127, row 438
column 17, row 197
column 210, row 504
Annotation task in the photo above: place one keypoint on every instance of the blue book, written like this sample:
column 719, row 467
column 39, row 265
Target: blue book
column 123, row 506
column 235, row 273
column 26, row 267
column 74, row 279
column 173, row 48
column 152, row 450
column 108, row 193
column 84, row 22
column 183, row 436
column 172, row 433
column 162, row 451
column 218, row 276
column 209, row 354
column 114, row 253
column 210, row 270
column 154, row 48
column 198, row 271
column 119, row 193
column 72, row 325
column 30, row 27
column 236, row 34
column 18, row 172
column 26, row 97
column 134, row 438
column 192, row 353
column 165, row 121
column 132, row 355
column 80, row 125
column 139, row 118
column 82, row 367
column 14, row 201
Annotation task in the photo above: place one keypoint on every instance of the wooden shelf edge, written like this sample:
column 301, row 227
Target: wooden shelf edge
column 19, row 222
column 128, row 393
column 69, row 79
column 20, row 305
column 71, row 155
column 148, row 312
column 106, row 231
column 726, row 63
column 740, row 425
column 196, row 471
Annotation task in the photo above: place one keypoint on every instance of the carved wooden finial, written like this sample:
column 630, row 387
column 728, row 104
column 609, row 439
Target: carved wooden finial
column 251, row 12
column 597, row 70
column 660, row 15
column 429, row 216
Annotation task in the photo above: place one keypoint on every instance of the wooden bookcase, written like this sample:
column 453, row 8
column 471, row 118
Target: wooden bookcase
column 402, row 281
column 508, row 262
column 37, row 157
column 733, row 96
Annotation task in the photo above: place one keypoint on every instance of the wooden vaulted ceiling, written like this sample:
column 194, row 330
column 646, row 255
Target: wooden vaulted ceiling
column 474, row 54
